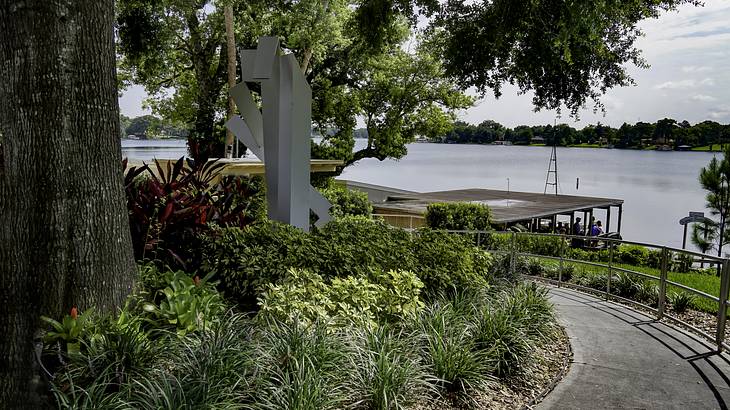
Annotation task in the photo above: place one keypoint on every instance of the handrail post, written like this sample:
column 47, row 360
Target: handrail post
column 513, row 257
column 610, row 269
column 722, row 304
column 662, row 283
column 562, row 256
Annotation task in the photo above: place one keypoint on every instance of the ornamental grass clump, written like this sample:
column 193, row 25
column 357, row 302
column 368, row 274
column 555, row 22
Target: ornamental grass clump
column 387, row 372
column 451, row 352
column 300, row 367
column 681, row 301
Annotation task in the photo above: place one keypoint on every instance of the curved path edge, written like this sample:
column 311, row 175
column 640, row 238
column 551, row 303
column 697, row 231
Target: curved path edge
column 623, row 358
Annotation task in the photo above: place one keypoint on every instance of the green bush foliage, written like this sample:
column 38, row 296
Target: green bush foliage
column 540, row 245
column 347, row 202
column 458, row 216
column 307, row 297
column 248, row 259
column 357, row 245
column 633, row 255
column 449, row 261
column 404, row 358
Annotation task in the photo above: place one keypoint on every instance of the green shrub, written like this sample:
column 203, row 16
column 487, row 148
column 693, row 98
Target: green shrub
column 458, row 216
column 540, row 245
column 633, row 255
column 535, row 267
column 497, row 333
column 654, row 258
column 622, row 285
column 347, row 202
column 502, row 267
column 309, row 298
column 647, row 292
column 357, row 245
column 247, row 259
column 447, row 261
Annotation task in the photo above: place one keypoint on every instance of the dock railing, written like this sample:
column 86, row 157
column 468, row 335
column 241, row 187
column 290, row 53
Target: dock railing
column 652, row 278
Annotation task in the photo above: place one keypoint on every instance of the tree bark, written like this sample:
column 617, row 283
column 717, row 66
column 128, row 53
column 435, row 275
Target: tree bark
column 231, row 52
column 64, row 232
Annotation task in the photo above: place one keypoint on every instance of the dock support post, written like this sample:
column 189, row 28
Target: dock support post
column 608, row 219
column 620, row 212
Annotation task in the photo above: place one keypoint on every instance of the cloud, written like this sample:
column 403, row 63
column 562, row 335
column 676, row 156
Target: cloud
column 676, row 85
column 720, row 113
column 705, row 33
column 703, row 98
column 696, row 69
column 684, row 84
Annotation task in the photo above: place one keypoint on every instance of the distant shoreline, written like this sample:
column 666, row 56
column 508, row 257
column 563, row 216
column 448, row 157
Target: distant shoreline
column 717, row 148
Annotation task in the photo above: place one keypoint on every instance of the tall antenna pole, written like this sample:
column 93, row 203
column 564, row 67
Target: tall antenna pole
column 552, row 165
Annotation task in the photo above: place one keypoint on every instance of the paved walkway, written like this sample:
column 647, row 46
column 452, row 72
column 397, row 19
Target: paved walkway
column 622, row 359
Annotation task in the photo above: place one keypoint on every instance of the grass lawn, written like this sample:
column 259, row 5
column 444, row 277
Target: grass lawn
column 715, row 148
column 709, row 284
column 586, row 145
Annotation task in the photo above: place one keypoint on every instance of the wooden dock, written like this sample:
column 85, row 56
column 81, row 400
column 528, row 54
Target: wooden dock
column 508, row 208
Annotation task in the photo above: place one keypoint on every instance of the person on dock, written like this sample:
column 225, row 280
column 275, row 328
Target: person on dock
column 577, row 230
column 597, row 229
column 561, row 229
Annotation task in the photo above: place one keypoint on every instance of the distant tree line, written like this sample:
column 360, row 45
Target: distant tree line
column 149, row 127
column 666, row 132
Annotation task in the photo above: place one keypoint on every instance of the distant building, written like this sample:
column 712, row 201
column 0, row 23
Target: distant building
column 537, row 140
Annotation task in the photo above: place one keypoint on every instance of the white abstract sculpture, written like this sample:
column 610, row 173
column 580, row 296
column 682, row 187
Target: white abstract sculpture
column 281, row 135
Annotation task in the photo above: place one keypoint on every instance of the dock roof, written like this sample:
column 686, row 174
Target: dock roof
column 506, row 207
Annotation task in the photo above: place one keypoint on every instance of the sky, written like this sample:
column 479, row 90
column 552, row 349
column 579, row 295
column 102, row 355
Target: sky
column 689, row 78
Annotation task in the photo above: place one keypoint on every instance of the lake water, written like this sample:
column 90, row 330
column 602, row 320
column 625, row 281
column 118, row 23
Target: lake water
column 659, row 188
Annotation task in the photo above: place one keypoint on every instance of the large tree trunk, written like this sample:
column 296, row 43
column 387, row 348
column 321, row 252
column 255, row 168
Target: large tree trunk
column 231, row 60
column 64, row 232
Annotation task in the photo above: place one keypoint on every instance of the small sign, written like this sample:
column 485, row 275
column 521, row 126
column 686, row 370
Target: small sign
column 696, row 214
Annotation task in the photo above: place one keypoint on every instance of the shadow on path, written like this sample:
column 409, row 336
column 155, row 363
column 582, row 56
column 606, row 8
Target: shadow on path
column 624, row 359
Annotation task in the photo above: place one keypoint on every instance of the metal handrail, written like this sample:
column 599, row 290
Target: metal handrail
column 666, row 254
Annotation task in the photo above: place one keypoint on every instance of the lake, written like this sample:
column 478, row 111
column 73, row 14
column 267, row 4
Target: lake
column 659, row 188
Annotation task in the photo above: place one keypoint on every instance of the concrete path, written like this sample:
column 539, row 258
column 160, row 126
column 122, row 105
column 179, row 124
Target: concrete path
column 622, row 359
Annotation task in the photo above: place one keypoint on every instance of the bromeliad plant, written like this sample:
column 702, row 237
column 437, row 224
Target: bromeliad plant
column 68, row 331
column 171, row 205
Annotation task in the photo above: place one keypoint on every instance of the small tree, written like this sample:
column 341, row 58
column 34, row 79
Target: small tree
column 704, row 235
column 715, row 179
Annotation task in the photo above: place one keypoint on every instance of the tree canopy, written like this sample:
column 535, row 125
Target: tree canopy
column 665, row 132
column 566, row 52
column 357, row 55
